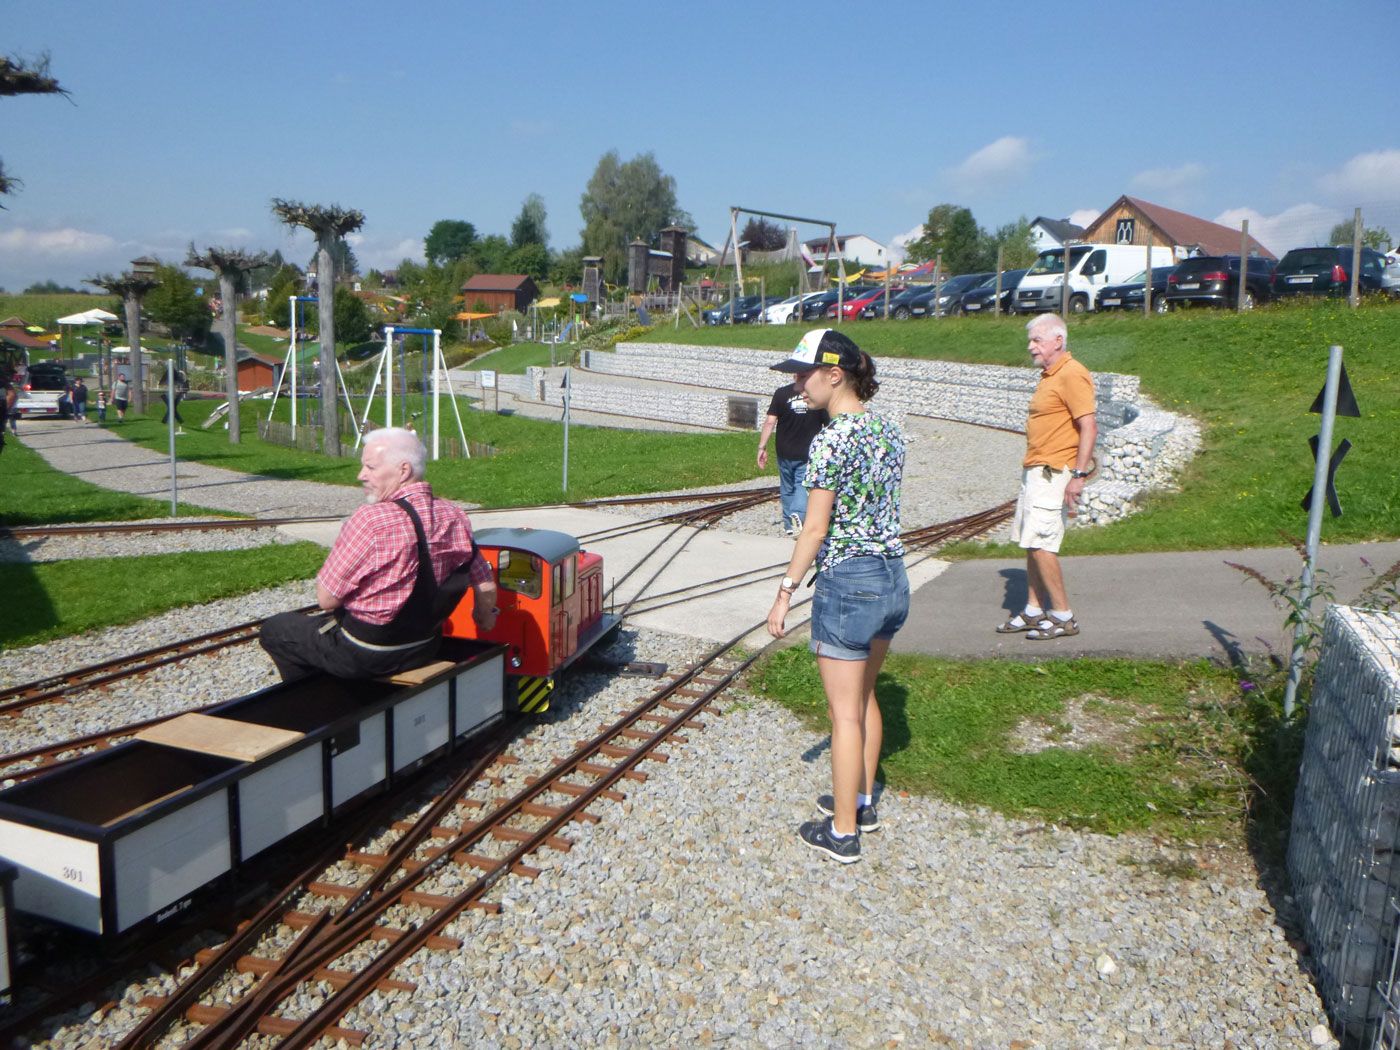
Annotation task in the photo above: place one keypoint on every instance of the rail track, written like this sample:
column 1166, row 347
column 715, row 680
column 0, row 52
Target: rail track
column 327, row 927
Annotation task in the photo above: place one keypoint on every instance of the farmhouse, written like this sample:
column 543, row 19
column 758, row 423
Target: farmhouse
column 1129, row 220
column 500, row 291
column 1054, row 233
column 853, row 247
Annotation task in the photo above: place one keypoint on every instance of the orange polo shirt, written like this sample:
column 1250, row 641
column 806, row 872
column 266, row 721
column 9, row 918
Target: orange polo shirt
column 1065, row 392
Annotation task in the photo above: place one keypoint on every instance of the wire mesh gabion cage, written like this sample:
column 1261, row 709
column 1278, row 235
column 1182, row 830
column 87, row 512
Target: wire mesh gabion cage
column 1344, row 850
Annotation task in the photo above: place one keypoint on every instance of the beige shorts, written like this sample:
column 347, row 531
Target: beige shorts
column 1041, row 514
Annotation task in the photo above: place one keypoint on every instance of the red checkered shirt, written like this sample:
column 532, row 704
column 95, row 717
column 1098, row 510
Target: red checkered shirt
column 374, row 561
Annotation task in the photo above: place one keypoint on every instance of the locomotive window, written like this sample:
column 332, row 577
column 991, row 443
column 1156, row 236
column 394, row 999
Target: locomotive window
column 519, row 572
column 569, row 570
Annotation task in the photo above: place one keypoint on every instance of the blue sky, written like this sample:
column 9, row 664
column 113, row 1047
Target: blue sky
column 186, row 119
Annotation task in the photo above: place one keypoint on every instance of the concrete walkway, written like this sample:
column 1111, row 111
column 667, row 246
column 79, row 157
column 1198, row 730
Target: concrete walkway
column 1184, row 604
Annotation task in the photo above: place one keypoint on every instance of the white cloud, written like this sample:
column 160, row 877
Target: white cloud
column 65, row 243
column 1365, row 178
column 1170, row 180
column 384, row 253
column 1298, row 226
column 899, row 243
column 1084, row 216
column 1005, row 159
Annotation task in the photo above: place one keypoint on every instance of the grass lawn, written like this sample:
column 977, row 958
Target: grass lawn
column 55, row 599
column 1249, row 378
column 526, row 470
column 1123, row 745
column 513, row 360
column 37, row 494
column 46, row 309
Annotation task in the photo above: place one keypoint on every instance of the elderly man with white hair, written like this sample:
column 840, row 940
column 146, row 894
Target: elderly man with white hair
column 393, row 574
column 1060, row 435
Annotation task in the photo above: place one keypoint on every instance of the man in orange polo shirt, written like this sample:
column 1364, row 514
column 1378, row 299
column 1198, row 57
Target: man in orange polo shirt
column 1060, row 434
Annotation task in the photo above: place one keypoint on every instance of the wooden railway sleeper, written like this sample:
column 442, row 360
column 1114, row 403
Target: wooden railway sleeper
column 260, row 967
column 300, row 920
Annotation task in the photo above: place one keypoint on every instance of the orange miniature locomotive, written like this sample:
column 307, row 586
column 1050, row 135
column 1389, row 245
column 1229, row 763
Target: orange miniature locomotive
column 550, row 593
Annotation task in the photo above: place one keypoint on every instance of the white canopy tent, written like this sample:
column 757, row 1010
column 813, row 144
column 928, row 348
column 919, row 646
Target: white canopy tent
column 93, row 316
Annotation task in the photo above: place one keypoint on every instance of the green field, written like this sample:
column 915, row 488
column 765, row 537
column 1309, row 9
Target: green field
column 526, row 470
column 1248, row 378
column 46, row 309
column 513, row 360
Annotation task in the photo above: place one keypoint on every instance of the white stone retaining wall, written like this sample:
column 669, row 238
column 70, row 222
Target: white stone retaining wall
column 1141, row 446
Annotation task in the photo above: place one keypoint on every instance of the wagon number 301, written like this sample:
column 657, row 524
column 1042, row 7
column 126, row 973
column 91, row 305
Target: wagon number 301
column 73, row 874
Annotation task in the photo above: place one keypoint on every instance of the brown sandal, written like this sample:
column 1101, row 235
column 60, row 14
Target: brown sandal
column 1049, row 628
column 1017, row 624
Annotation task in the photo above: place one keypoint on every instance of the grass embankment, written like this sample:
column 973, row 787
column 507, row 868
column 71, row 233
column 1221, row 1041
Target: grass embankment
column 37, row 494
column 1106, row 745
column 56, row 599
column 513, row 360
column 1249, row 378
column 526, row 470
column 46, row 309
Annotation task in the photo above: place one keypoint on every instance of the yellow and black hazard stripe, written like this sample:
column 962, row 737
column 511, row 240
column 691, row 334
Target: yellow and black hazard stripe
column 532, row 694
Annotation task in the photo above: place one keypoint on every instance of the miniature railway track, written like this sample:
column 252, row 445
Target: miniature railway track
column 60, row 686
column 30, row 532
column 394, row 904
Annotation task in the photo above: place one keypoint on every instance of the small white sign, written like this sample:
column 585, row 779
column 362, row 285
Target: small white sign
column 488, row 379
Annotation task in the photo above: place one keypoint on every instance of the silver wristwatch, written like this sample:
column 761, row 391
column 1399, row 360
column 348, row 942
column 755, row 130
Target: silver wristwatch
column 1079, row 473
column 788, row 584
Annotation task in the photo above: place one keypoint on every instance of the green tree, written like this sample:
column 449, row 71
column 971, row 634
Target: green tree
column 531, row 259
column 529, row 226
column 763, row 236
column 352, row 321
column 622, row 202
column 284, row 283
column 173, row 303
column 1016, row 244
column 50, row 287
column 449, row 240
column 567, row 267
column 490, row 254
column 1376, row 237
column 342, row 255
column 951, row 229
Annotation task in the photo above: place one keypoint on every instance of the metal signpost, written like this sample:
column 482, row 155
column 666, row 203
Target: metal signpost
column 170, row 418
column 568, row 386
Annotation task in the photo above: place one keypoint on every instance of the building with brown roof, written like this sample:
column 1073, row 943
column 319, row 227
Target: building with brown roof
column 500, row 291
column 1129, row 220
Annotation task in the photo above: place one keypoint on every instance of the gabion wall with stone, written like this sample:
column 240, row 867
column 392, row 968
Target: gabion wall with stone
column 1344, row 851
column 1141, row 446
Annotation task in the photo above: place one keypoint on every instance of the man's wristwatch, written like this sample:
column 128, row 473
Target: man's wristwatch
column 1079, row 473
column 789, row 584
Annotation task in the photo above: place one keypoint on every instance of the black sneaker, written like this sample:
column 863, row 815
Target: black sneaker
column 817, row 834
column 866, row 817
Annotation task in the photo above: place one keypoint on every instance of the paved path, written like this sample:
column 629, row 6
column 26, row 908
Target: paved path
column 102, row 457
column 1149, row 605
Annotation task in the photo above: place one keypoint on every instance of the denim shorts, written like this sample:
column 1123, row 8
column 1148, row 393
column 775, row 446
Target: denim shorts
column 857, row 601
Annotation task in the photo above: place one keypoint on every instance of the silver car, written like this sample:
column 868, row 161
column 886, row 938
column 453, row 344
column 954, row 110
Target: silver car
column 1390, row 277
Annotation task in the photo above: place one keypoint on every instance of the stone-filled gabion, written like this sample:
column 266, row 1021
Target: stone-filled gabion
column 1344, row 851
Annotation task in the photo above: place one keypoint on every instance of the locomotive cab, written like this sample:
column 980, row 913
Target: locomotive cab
column 550, row 595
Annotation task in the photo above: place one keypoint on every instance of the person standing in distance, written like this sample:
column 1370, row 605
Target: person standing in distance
column 1060, row 435
column 121, row 390
column 797, row 425
column 862, row 593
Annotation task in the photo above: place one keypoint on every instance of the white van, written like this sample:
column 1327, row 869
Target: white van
column 1092, row 267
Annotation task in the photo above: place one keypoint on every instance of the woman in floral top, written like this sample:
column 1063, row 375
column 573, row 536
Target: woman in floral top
column 851, row 535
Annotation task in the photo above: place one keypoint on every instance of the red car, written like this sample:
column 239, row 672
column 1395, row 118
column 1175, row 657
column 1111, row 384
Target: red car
column 851, row 308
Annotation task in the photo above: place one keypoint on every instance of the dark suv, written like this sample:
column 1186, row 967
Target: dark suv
column 1326, row 271
column 1215, row 280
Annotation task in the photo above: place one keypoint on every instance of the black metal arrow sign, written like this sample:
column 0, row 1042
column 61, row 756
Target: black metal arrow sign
column 1333, row 503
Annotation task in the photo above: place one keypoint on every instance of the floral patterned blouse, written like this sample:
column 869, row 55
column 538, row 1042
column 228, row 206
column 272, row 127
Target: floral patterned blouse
column 859, row 457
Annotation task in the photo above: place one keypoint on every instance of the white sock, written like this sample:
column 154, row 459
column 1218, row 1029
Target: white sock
column 1063, row 617
column 863, row 800
column 837, row 835
column 1032, row 612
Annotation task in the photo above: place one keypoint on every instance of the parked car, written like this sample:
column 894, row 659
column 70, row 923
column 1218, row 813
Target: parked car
column 1326, row 271
column 979, row 300
column 790, row 309
column 720, row 314
column 1215, row 280
column 43, row 393
column 1128, row 295
column 753, row 313
column 850, row 307
column 876, row 308
column 815, row 308
column 914, row 301
column 1390, row 279
column 1092, row 268
column 950, row 293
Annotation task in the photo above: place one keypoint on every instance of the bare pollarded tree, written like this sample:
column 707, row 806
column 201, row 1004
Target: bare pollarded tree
column 229, row 265
column 19, row 76
column 328, row 223
column 132, row 287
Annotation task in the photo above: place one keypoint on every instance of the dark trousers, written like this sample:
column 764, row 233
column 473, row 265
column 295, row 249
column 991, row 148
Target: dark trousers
column 302, row 645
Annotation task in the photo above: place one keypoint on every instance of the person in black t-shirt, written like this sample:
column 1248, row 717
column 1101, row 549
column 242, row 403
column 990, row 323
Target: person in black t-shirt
column 797, row 425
